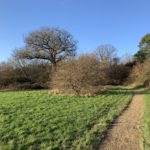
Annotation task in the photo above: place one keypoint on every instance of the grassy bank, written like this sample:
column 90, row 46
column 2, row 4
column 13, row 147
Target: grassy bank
column 145, row 124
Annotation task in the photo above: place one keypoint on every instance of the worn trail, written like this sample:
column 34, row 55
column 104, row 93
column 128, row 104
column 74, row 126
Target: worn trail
column 124, row 134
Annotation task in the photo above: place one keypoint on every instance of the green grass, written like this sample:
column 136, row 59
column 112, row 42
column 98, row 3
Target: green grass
column 37, row 120
column 145, row 125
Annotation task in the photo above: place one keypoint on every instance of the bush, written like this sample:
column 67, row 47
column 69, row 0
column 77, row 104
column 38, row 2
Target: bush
column 118, row 74
column 80, row 76
column 140, row 74
column 34, row 75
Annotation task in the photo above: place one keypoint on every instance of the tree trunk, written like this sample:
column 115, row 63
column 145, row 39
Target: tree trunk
column 54, row 66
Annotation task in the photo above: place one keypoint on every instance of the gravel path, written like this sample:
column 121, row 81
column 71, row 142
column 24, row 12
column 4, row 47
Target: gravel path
column 124, row 134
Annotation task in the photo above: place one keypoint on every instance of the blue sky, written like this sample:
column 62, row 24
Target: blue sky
column 91, row 22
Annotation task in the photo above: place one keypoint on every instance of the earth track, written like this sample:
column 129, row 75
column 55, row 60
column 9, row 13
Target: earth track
column 124, row 132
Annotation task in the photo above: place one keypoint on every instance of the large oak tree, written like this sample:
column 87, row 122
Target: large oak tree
column 51, row 44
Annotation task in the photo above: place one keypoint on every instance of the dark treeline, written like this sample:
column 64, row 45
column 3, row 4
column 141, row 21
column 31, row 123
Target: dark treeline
column 24, row 75
column 48, row 60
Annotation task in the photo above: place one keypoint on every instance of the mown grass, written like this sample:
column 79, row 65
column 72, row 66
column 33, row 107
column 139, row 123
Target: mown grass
column 145, row 124
column 38, row 120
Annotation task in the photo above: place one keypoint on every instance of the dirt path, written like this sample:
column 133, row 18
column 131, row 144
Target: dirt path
column 124, row 134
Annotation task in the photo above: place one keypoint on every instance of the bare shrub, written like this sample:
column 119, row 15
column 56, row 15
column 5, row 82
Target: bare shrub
column 118, row 74
column 6, row 74
column 140, row 74
column 137, row 75
column 24, row 75
column 80, row 76
column 146, row 72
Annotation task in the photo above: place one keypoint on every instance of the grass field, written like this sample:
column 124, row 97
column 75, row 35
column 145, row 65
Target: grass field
column 38, row 120
column 145, row 126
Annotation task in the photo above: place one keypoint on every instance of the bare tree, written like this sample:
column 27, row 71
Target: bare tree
column 50, row 44
column 127, row 58
column 105, row 52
